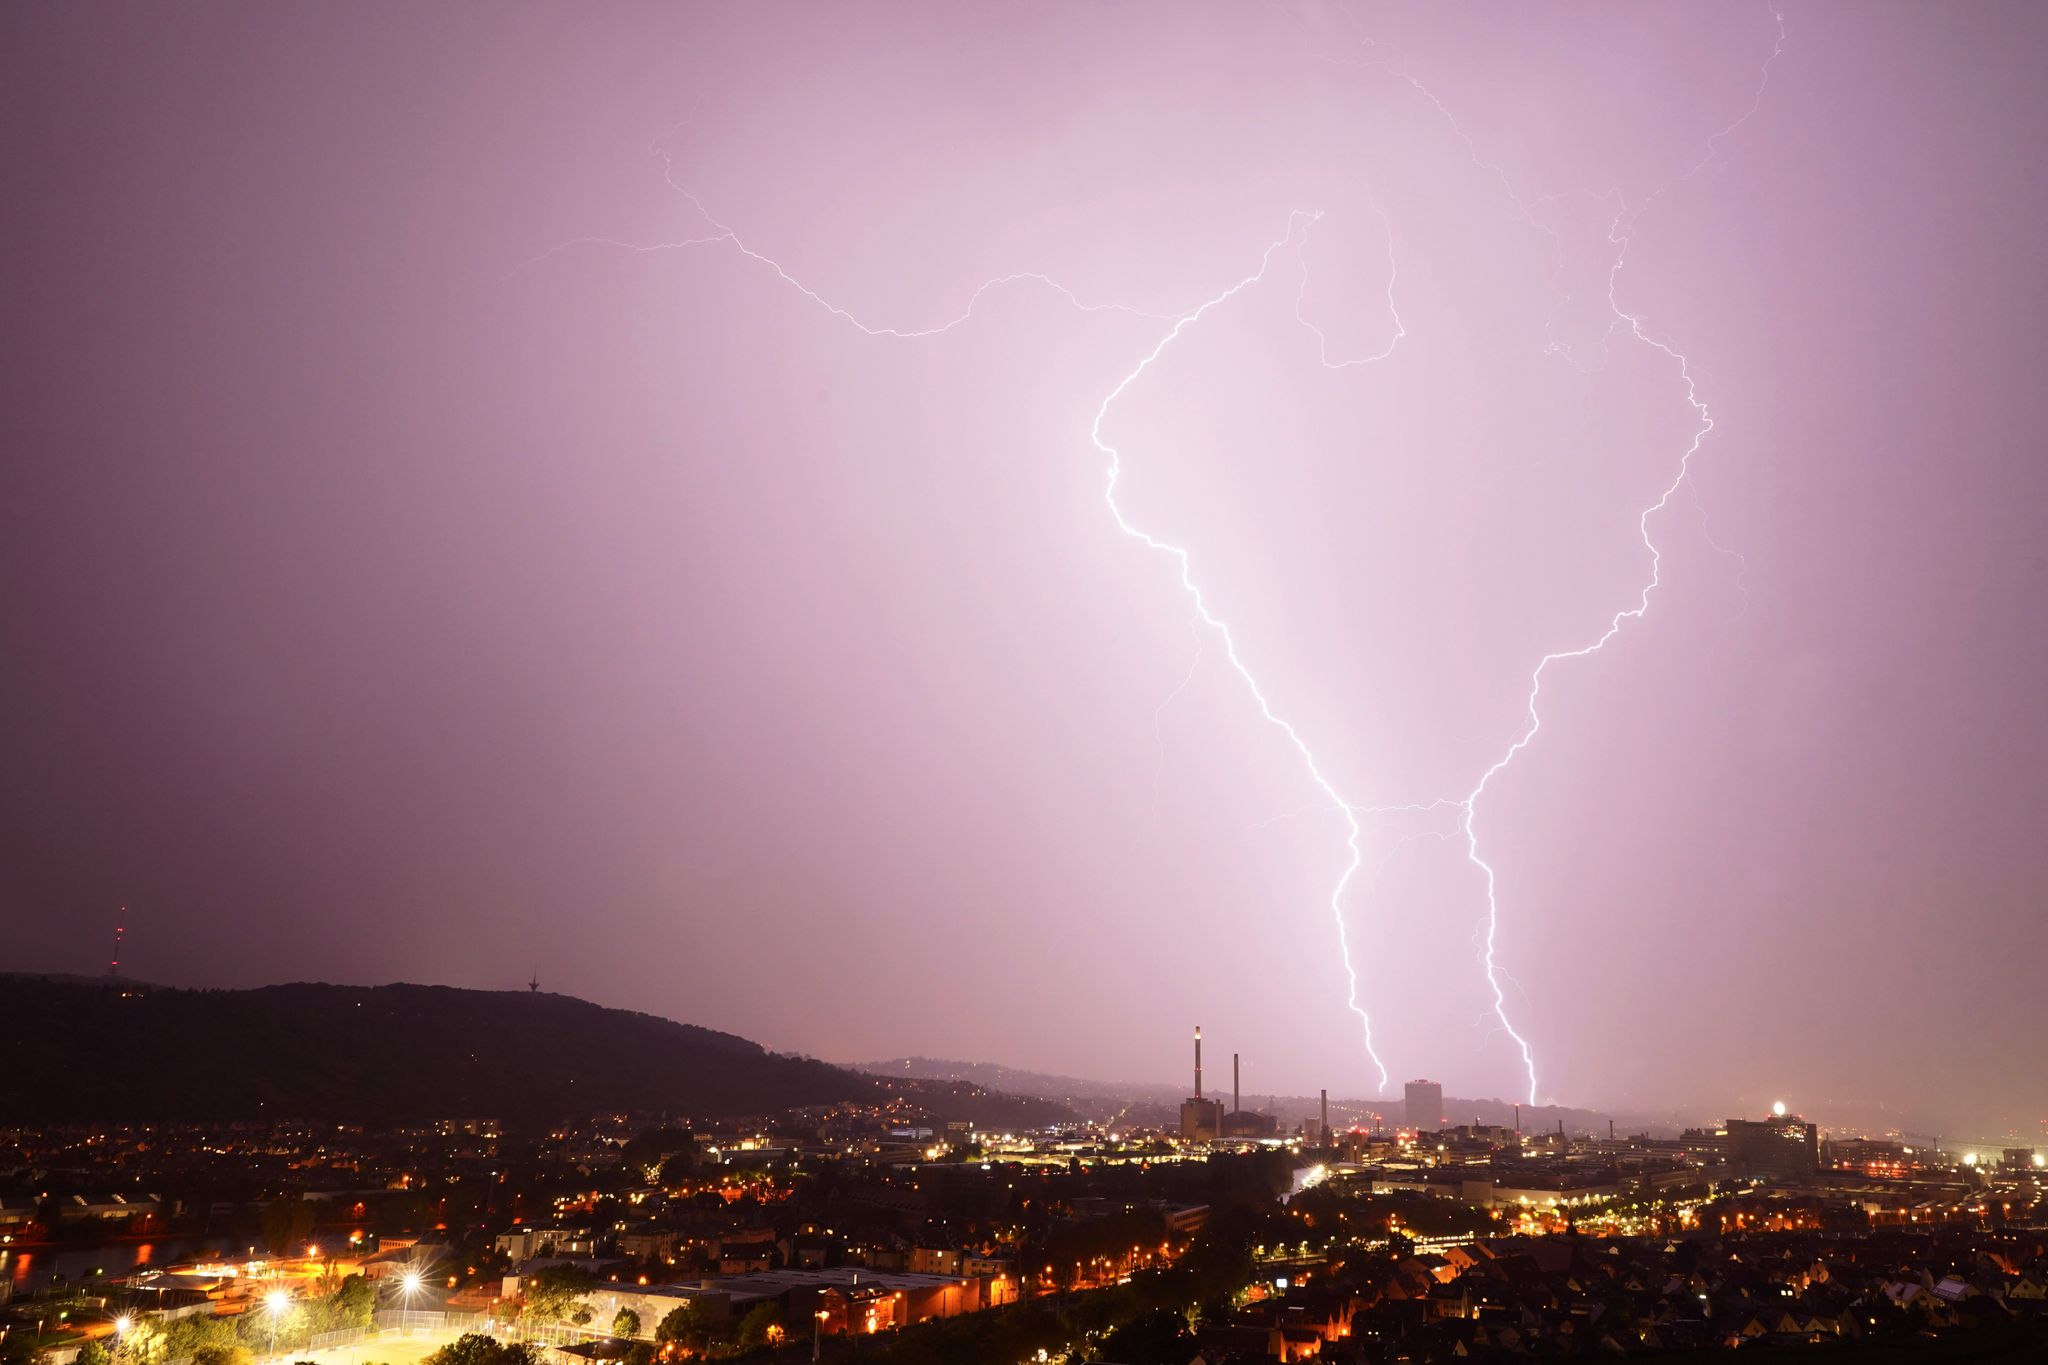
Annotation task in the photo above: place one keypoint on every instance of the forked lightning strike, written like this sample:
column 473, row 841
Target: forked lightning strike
column 1618, row 234
column 1298, row 223
column 1353, row 832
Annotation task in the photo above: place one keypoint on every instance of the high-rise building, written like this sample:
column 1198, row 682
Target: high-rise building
column 1779, row 1147
column 1425, row 1106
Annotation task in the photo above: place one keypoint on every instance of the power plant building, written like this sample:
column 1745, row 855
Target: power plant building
column 1205, row 1120
column 1241, row 1122
column 1201, row 1120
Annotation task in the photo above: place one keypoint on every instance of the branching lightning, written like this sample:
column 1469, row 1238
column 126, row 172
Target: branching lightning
column 1297, row 221
column 1618, row 234
column 1296, row 235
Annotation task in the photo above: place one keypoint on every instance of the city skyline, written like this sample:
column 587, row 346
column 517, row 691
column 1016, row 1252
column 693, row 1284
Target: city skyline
column 983, row 537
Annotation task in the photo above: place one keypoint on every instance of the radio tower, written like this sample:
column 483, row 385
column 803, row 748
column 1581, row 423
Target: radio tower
column 120, row 930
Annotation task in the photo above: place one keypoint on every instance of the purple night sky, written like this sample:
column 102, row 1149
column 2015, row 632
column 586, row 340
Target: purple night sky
column 402, row 578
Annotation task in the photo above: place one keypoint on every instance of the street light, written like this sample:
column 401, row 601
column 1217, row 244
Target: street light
column 121, row 1326
column 276, row 1300
column 409, row 1285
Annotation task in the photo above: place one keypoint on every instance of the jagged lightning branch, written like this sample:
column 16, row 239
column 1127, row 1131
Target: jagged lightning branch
column 1619, row 230
column 1181, row 557
column 1470, row 803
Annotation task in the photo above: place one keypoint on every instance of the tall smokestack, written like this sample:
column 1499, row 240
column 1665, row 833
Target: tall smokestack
column 1326, row 1116
column 1518, row 1120
column 1234, row 1105
column 1198, row 1061
column 1610, row 1130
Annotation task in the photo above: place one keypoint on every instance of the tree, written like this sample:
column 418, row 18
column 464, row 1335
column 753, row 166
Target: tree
column 144, row 1344
column 685, row 1325
column 474, row 1348
column 471, row 1348
column 652, row 1144
column 554, row 1293
column 93, row 1353
column 756, row 1327
column 219, row 1339
column 352, row 1304
column 287, row 1223
column 1160, row 1337
column 626, row 1324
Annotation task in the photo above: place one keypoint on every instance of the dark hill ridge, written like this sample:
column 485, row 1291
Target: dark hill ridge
column 86, row 1051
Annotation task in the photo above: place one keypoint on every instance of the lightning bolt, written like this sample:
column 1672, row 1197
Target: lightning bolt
column 1619, row 234
column 1470, row 802
column 1299, row 220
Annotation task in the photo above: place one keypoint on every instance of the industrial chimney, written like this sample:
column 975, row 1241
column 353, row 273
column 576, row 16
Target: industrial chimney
column 1234, row 1105
column 1198, row 1061
column 1326, row 1117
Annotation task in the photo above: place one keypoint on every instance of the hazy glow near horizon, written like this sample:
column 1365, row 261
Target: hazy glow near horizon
column 1567, row 515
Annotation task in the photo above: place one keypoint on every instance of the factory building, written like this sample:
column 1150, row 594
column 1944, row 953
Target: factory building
column 1201, row 1120
column 1205, row 1120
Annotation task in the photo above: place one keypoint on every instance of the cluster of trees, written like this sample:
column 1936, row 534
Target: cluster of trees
column 665, row 1155
column 1341, row 1208
column 555, row 1294
column 1070, row 1251
column 474, row 1348
column 348, row 1304
column 287, row 1223
column 688, row 1331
